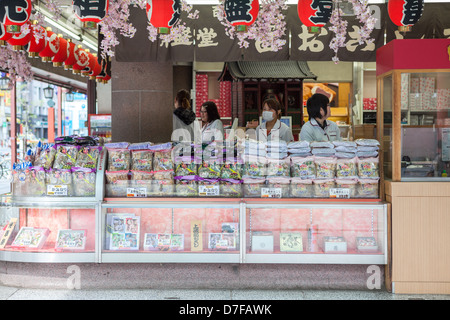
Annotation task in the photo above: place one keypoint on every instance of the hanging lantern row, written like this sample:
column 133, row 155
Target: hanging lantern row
column 14, row 14
column 405, row 13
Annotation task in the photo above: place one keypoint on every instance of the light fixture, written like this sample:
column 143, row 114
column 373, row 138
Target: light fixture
column 70, row 96
column 48, row 92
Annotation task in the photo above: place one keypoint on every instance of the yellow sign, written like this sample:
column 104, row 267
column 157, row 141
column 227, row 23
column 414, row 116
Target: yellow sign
column 196, row 235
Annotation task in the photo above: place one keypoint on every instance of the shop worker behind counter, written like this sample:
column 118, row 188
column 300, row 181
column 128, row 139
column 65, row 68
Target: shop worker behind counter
column 183, row 116
column 272, row 127
column 318, row 128
column 212, row 128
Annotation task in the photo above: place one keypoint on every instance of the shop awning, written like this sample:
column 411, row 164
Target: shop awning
column 241, row 70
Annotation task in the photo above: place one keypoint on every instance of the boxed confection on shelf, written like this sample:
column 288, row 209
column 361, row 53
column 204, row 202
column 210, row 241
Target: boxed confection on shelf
column 332, row 244
column 262, row 241
column 366, row 244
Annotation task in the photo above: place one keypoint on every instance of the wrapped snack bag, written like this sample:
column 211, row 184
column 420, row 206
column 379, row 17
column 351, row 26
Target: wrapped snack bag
column 321, row 144
column 231, row 187
column 282, row 183
column 58, row 177
column 255, row 166
column 114, row 176
column 279, row 167
column 368, row 188
column 163, row 175
column 66, row 157
column 162, row 159
column 118, row 159
column 322, row 187
column 252, row 186
column 349, row 144
column 83, row 181
column 346, row 168
column 210, row 168
column 117, row 145
column 304, row 168
column 302, row 188
column 232, row 169
column 347, row 184
column 163, row 188
column 325, row 167
column 117, row 189
column 368, row 168
column 139, row 146
column 46, row 156
column 141, row 160
column 367, row 142
column 36, row 180
column 141, row 175
column 209, row 183
column 185, row 166
column 87, row 157
column 186, row 186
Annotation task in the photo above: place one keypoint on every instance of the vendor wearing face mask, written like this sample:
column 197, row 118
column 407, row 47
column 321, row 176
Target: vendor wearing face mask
column 318, row 128
column 272, row 126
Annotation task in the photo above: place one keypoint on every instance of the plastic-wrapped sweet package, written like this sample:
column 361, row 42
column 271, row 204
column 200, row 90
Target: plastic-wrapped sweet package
column 346, row 168
column 301, row 188
column 87, row 156
column 282, row 183
column 232, row 169
column 141, row 175
column 304, row 168
column 113, row 177
column 325, row 167
column 186, row 186
column 139, row 146
column 185, row 166
column 66, row 157
column 119, row 159
column 207, row 181
column 345, row 155
column 36, row 181
column 163, row 188
column 255, row 166
column 83, row 181
column 367, row 142
column 345, row 149
column 117, row 189
column 367, row 148
column 163, row 175
column 141, row 160
column 46, row 157
column 368, row 168
column 252, row 186
column 321, row 144
column 231, row 188
column 322, row 187
column 161, row 147
column 368, row 188
column 210, row 168
column 117, row 145
column 365, row 154
column 162, row 159
column 350, row 184
column 59, row 177
column 298, row 144
column 299, row 150
column 278, row 167
column 323, row 152
column 349, row 144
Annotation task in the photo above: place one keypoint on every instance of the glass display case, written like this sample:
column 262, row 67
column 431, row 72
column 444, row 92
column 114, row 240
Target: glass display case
column 414, row 114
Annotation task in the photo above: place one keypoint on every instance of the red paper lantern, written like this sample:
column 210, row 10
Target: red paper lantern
column 405, row 13
column 314, row 13
column 81, row 60
column 4, row 35
column 51, row 47
column 241, row 14
column 38, row 40
column 62, row 54
column 96, row 70
column 90, row 12
column 69, row 62
column 91, row 64
column 163, row 14
column 14, row 13
column 20, row 40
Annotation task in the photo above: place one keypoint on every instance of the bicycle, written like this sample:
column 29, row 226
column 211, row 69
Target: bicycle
column 5, row 166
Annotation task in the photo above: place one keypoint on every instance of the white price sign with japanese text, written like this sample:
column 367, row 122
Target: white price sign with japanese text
column 270, row 192
column 57, row 190
column 136, row 192
column 208, row 191
column 340, row 193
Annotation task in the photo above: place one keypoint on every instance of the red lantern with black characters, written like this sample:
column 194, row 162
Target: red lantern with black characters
column 20, row 40
column 52, row 46
column 81, row 60
column 314, row 14
column 14, row 13
column 70, row 61
column 62, row 54
column 405, row 13
column 163, row 14
column 241, row 13
column 91, row 64
column 96, row 70
column 4, row 35
column 38, row 40
column 90, row 12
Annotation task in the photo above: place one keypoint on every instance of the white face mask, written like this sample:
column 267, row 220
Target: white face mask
column 267, row 115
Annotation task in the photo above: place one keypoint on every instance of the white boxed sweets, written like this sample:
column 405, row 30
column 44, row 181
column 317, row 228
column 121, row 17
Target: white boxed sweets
column 262, row 241
column 333, row 244
column 366, row 244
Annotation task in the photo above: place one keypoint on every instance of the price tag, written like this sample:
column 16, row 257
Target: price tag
column 57, row 190
column 270, row 192
column 136, row 192
column 208, row 191
column 340, row 193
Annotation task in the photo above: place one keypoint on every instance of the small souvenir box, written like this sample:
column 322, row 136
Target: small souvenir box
column 262, row 241
column 366, row 244
column 334, row 245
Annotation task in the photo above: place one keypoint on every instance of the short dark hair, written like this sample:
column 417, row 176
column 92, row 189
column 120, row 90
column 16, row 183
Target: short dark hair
column 274, row 105
column 315, row 103
column 183, row 97
column 211, row 111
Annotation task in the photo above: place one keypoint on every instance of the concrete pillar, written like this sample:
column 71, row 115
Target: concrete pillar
column 142, row 101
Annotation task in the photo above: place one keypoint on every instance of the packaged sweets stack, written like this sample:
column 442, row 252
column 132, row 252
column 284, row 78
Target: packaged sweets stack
column 322, row 149
column 232, row 168
column 279, row 167
column 142, row 160
column 367, row 148
column 299, row 149
column 116, row 183
column 350, row 184
column 208, row 186
column 346, row 168
column 119, row 159
column 303, row 167
column 345, row 149
column 186, row 186
column 282, row 183
column 87, row 157
column 252, row 186
column 301, row 188
column 60, row 177
column 210, row 168
column 83, row 180
column 163, row 170
column 255, row 166
column 66, row 156
column 255, row 148
column 45, row 156
column 325, row 167
column 185, row 166
column 322, row 187
column 368, row 173
column 231, row 188
column 277, row 149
